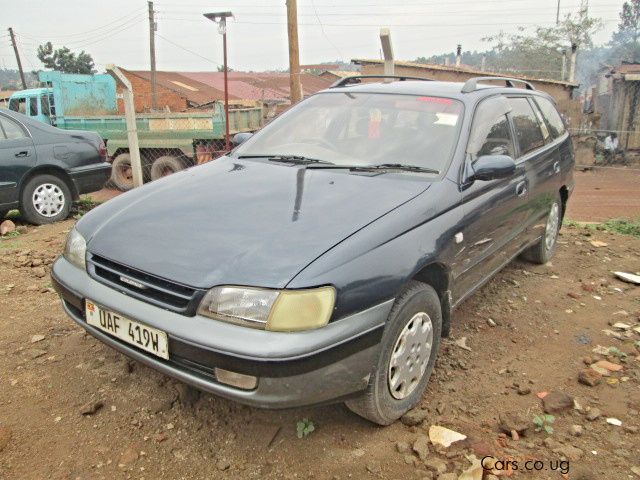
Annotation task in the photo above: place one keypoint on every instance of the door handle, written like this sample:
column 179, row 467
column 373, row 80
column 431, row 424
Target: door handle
column 23, row 153
column 556, row 167
column 521, row 188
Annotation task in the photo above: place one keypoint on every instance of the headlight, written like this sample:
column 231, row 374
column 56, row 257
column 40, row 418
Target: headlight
column 75, row 249
column 276, row 310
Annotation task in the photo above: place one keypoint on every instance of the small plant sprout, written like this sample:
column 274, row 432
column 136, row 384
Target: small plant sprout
column 304, row 428
column 543, row 422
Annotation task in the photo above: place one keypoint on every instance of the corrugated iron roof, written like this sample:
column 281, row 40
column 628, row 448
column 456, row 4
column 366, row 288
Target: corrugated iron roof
column 453, row 68
column 201, row 88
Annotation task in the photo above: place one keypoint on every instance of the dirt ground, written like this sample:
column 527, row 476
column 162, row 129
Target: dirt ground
column 532, row 329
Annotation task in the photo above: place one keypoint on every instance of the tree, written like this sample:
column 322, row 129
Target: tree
column 625, row 40
column 64, row 60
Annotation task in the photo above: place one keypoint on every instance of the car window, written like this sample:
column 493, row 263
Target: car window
column 528, row 132
column 491, row 133
column 33, row 106
column 44, row 105
column 11, row 129
column 551, row 115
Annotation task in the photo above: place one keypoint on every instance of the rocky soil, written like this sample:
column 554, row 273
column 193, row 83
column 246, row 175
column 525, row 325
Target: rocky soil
column 551, row 347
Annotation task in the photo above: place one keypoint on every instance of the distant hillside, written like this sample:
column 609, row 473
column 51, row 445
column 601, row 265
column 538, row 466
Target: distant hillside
column 10, row 79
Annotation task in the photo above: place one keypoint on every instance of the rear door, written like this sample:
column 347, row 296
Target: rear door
column 540, row 154
column 494, row 211
column 17, row 157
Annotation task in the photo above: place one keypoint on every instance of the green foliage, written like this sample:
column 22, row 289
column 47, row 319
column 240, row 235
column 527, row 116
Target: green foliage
column 304, row 428
column 616, row 225
column 82, row 206
column 544, row 422
column 64, row 60
column 625, row 40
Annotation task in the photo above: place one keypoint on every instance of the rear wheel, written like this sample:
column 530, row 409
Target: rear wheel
column 166, row 165
column 45, row 199
column 408, row 353
column 545, row 248
column 121, row 172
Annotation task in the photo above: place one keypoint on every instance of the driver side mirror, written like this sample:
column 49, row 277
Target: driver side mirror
column 241, row 137
column 492, row 167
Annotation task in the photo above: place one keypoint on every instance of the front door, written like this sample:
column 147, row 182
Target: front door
column 17, row 157
column 494, row 211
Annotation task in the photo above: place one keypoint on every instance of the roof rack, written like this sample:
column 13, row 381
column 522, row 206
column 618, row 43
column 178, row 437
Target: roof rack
column 471, row 85
column 358, row 79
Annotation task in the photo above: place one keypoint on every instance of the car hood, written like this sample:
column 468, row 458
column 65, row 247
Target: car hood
column 242, row 222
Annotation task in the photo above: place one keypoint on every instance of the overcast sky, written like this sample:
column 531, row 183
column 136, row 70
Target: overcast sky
column 116, row 31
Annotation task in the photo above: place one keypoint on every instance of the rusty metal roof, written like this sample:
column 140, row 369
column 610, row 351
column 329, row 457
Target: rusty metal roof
column 200, row 88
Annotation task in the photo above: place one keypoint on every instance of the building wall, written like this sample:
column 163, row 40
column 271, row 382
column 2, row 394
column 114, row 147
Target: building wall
column 558, row 92
column 142, row 96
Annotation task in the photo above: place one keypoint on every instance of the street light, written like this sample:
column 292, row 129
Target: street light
column 221, row 19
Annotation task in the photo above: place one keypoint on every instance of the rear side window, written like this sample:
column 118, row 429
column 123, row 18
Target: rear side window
column 12, row 130
column 44, row 105
column 528, row 132
column 551, row 115
column 17, row 105
column 33, row 106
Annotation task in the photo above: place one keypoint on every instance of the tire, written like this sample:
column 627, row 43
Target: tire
column 545, row 248
column 121, row 173
column 45, row 199
column 166, row 165
column 386, row 400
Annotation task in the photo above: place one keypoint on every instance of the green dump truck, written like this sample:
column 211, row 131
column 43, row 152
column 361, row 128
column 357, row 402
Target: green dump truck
column 168, row 141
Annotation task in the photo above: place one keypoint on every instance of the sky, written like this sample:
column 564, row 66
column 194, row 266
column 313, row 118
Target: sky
column 117, row 31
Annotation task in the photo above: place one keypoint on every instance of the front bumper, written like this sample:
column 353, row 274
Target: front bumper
column 293, row 369
column 90, row 178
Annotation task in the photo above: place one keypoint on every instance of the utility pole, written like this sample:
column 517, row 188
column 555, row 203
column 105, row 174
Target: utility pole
column 152, row 51
column 558, row 13
column 387, row 49
column 15, row 50
column 295, row 90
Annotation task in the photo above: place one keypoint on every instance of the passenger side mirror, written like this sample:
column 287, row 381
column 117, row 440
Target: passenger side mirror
column 492, row 167
column 241, row 137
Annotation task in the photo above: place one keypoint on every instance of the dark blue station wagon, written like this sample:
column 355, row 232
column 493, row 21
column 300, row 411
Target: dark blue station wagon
column 320, row 260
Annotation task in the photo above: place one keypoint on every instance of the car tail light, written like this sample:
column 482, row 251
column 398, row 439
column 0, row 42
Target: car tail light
column 102, row 150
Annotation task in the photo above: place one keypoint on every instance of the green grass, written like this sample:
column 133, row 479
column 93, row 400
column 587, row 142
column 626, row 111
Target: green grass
column 616, row 225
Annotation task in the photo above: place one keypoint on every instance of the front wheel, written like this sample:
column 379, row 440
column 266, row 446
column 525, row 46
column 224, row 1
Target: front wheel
column 408, row 354
column 545, row 248
column 45, row 199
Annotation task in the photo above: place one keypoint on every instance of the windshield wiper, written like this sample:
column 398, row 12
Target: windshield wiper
column 381, row 166
column 296, row 159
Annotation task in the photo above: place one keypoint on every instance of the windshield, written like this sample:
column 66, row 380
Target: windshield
column 363, row 129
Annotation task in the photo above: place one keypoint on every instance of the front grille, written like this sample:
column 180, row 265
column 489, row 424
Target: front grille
column 144, row 286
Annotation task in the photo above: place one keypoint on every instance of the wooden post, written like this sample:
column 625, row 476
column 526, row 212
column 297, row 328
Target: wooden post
column 387, row 51
column 295, row 89
column 15, row 50
column 130, row 117
column 152, row 52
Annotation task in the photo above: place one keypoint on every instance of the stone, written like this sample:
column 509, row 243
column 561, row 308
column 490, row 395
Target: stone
column 576, row 430
column 436, row 465
column 414, row 417
column 443, row 436
column 37, row 338
column 5, row 437
column 610, row 366
column 7, row 227
column 593, row 414
column 557, row 401
column 552, row 443
column 129, row 456
column 91, row 407
column 223, row 465
column 570, row 452
column 589, row 377
column 421, row 447
column 491, row 322
column 524, row 390
column 403, row 447
column 39, row 272
column 510, row 422
column 374, row 468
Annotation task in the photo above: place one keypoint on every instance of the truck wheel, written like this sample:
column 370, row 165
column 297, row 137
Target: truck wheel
column 408, row 354
column 542, row 251
column 121, row 172
column 166, row 165
column 45, row 199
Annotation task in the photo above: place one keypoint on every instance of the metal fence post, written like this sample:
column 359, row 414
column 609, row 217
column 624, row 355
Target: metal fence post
column 130, row 117
column 387, row 50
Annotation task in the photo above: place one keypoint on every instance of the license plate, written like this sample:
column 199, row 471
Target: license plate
column 148, row 339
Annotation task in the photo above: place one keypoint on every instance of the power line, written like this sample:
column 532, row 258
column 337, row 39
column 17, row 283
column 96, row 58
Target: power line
column 187, row 50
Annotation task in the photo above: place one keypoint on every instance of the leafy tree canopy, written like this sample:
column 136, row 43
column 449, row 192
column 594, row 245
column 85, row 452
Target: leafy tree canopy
column 64, row 60
column 625, row 40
